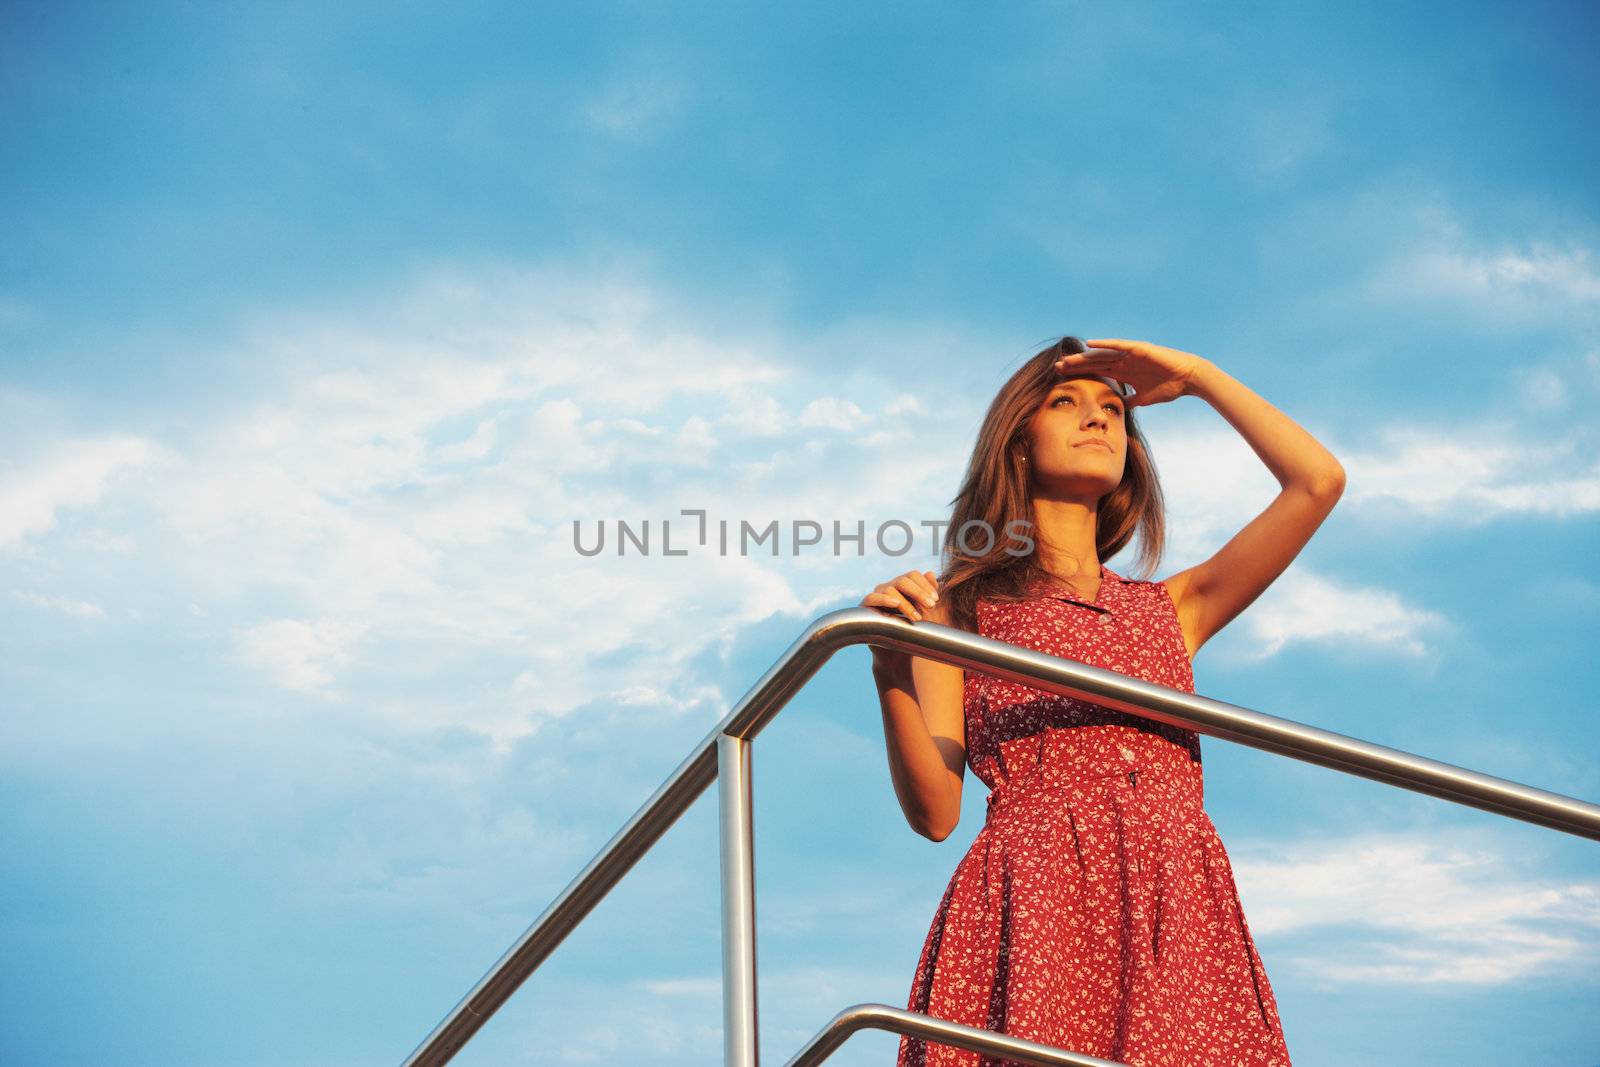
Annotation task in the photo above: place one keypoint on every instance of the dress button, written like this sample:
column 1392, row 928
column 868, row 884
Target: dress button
column 1105, row 617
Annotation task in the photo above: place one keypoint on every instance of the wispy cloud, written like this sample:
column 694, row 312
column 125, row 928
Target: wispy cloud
column 1424, row 253
column 1305, row 607
column 705, row 987
column 1416, row 910
column 1466, row 477
column 83, row 609
column 393, row 494
column 1509, row 273
column 830, row 412
column 1444, row 473
column 298, row 654
column 74, row 475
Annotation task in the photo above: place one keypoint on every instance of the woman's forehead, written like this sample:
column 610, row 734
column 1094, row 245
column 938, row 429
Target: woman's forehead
column 1084, row 379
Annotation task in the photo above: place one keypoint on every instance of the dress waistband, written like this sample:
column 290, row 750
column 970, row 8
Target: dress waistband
column 1060, row 758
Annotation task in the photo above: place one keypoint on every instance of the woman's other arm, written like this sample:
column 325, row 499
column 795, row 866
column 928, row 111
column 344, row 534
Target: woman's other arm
column 1211, row 594
column 923, row 726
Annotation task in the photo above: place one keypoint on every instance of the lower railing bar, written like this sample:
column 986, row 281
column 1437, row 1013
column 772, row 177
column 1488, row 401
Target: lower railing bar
column 854, row 626
column 882, row 1017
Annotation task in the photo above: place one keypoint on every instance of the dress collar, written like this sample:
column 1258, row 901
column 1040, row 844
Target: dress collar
column 1109, row 580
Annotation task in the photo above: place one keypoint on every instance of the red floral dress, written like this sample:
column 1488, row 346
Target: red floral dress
column 1096, row 910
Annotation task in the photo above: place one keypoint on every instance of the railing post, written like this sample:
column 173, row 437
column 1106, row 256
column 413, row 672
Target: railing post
column 738, row 903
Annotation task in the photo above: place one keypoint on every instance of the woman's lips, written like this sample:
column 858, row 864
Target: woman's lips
column 1097, row 443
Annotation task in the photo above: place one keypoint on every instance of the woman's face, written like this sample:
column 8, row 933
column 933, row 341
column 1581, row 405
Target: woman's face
column 1078, row 439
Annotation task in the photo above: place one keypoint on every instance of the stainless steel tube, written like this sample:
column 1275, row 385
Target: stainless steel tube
column 882, row 1017
column 738, row 903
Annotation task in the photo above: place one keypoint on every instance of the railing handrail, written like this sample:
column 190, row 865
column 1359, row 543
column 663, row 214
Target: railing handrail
column 853, row 626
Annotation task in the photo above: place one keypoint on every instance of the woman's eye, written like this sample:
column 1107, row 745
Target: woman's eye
column 1067, row 397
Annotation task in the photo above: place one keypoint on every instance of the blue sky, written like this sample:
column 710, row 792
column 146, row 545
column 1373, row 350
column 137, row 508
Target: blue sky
column 319, row 328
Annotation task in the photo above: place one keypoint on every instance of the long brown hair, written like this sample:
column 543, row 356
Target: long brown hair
column 995, row 492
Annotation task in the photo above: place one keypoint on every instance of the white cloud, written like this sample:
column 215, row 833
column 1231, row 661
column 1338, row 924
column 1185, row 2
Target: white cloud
column 119, row 544
column 1409, row 909
column 404, row 495
column 707, row 987
column 905, row 405
column 753, row 413
column 694, row 442
column 73, row 476
column 1421, row 254
column 298, row 655
column 470, row 517
column 1465, row 478
column 83, row 609
column 708, row 696
column 1301, row 606
column 1215, row 484
column 832, row 413
column 416, row 486
column 1503, row 274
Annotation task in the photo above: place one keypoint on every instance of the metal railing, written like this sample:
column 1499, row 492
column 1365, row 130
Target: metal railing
column 725, row 753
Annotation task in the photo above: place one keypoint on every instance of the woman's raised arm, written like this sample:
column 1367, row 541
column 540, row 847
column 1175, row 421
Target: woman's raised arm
column 1211, row 594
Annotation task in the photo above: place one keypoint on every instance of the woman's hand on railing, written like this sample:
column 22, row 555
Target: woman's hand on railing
column 898, row 594
column 905, row 595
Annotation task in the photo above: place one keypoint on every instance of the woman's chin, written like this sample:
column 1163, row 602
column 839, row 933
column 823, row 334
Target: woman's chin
column 1084, row 489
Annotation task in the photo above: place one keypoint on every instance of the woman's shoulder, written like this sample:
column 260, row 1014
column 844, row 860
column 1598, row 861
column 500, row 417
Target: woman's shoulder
column 1156, row 591
column 1173, row 585
column 1147, row 583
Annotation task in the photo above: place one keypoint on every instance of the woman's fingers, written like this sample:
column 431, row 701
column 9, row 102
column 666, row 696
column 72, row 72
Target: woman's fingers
column 892, row 599
column 918, row 585
column 1099, row 364
column 905, row 593
column 1077, row 365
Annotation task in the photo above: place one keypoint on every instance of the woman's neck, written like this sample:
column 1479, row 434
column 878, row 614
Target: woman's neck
column 1065, row 539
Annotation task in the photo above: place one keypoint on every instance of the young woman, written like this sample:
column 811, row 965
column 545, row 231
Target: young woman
column 1096, row 910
